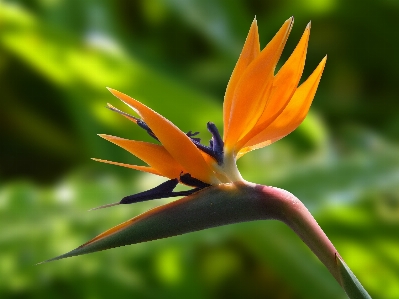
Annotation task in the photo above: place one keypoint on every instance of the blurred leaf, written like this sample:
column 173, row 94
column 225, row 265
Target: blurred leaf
column 347, row 179
column 82, row 70
column 351, row 284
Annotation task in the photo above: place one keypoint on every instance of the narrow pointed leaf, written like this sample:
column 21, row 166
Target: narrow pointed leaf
column 350, row 283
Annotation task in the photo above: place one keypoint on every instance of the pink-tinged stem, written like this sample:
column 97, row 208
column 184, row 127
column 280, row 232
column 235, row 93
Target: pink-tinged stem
column 290, row 210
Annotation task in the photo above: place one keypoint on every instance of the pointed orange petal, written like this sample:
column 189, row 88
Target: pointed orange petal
column 249, row 52
column 180, row 147
column 293, row 114
column 247, row 149
column 284, row 85
column 154, row 155
column 136, row 167
column 254, row 85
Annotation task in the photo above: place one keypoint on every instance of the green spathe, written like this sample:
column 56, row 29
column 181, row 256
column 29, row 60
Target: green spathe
column 210, row 207
column 221, row 205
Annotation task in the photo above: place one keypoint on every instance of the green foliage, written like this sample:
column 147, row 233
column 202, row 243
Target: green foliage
column 351, row 284
column 57, row 57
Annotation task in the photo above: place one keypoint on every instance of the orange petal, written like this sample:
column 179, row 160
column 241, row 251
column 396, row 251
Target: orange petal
column 247, row 149
column 253, row 86
column 180, row 147
column 154, row 155
column 293, row 114
column 136, row 167
column 249, row 52
column 284, row 85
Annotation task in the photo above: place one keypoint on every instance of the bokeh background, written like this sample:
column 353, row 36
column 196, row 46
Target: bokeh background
column 57, row 57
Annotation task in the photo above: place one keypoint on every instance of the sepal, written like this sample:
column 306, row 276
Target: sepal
column 209, row 207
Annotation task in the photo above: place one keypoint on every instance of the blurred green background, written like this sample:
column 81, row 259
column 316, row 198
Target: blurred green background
column 57, row 57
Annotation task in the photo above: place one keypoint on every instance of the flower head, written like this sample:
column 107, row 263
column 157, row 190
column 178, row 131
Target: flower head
column 260, row 107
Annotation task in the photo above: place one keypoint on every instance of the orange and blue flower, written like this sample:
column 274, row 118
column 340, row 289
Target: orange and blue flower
column 260, row 107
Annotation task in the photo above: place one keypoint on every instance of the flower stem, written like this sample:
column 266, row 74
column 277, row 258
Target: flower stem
column 291, row 211
column 281, row 205
column 229, row 168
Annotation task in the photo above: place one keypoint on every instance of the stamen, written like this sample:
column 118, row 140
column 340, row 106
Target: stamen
column 215, row 148
column 190, row 181
column 105, row 206
column 137, row 120
column 165, row 190
column 204, row 148
column 144, row 126
column 112, row 108
column 217, row 142
column 191, row 134
column 154, row 193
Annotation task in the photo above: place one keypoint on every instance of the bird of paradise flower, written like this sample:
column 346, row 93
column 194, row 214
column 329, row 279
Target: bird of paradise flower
column 259, row 108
